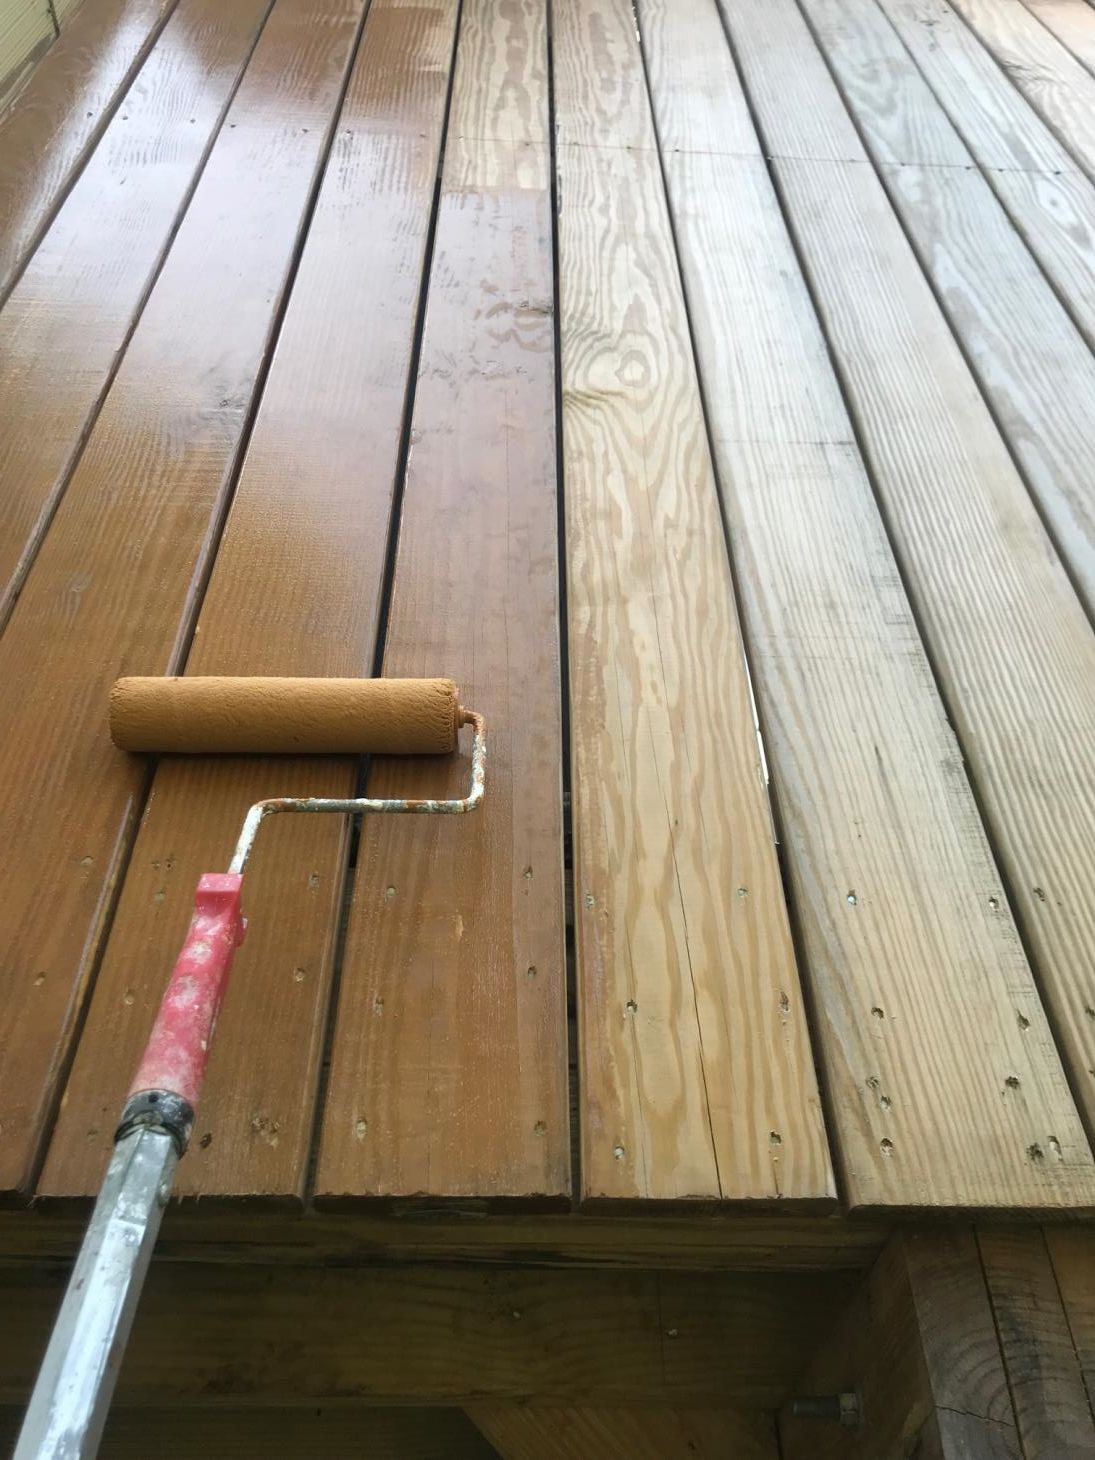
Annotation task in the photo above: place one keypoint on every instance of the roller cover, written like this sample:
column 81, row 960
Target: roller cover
column 202, row 715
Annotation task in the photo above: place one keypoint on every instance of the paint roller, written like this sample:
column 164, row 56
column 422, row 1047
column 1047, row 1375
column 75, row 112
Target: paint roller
column 209, row 715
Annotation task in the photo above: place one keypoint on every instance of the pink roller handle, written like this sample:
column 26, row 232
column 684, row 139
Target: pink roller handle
column 175, row 1057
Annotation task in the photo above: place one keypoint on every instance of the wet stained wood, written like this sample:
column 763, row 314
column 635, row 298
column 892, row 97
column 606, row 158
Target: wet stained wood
column 1005, row 628
column 522, row 1432
column 1049, row 200
column 696, row 1072
column 114, row 588
column 1052, row 1410
column 449, row 1056
column 48, row 134
column 1031, row 362
column 1051, row 79
column 924, row 1002
column 295, row 590
column 65, row 324
column 436, row 1335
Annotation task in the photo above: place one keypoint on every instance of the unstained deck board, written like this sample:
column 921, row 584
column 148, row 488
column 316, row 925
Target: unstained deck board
column 920, row 986
column 449, row 1056
column 696, row 1075
column 114, row 587
column 296, row 589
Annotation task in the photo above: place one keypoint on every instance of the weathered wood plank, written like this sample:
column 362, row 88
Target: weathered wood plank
column 114, row 588
column 919, row 1346
column 521, row 1432
column 1047, row 1386
column 449, row 1057
column 921, row 990
column 444, row 1336
column 1072, row 22
column 295, row 590
column 1072, row 1252
column 1011, row 643
column 1050, row 201
column 27, row 28
column 251, row 1433
column 66, row 323
column 697, row 1078
column 1032, row 364
column 1058, row 87
column 56, row 121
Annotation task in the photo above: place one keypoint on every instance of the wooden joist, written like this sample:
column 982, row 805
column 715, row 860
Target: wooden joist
column 61, row 114
column 449, row 1055
column 524, row 1432
column 295, row 589
column 920, row 986
column 696, row 1076
column 115, row 585
column 68, row 319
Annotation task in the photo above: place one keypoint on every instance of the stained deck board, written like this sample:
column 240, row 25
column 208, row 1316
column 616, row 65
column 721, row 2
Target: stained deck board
column 68, row 318
column 295, row 589
column 1050, row 201
column 1002, row 622
column 1047, row 74
column 696, row 1075
column 115, row 584
column 887, row 858
column 49, row 132
column 1032, row 364
column 449, row 1056
column 520, row 1432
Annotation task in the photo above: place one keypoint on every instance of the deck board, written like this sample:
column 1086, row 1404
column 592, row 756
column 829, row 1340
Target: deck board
column 114, row 587
column 59, row 117
column 888, row 862
column 1001, row 620
column 449, row 1056
column 295, row 589
column 69, row 317
column 697, row 1078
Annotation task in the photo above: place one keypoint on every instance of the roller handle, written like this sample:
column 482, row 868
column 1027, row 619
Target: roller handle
column 169, row 1078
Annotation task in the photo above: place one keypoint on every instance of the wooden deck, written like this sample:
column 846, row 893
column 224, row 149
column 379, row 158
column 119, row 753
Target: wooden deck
column 656, row 386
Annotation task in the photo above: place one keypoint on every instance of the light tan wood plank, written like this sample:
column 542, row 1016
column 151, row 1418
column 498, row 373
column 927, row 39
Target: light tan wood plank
column 1072, row 22
column 26, row 30
column 422, row 1335
column 920, row 1347
column 48, row 134
column 449, row 1056
column 66, row 323
column 1032, row 364
column 1057, row 86
column 696, row 1073
column 251, row 1433
column 1012, row 645
column 1050, row 201
column 1047, row 1387
column 114, row 588
column 519, row 1432
column 920, row 986
column 295, row 590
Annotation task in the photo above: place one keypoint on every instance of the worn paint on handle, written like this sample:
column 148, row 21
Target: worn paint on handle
column 178, row 1048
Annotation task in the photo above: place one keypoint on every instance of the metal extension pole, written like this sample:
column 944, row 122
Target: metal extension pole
column 72, row 1395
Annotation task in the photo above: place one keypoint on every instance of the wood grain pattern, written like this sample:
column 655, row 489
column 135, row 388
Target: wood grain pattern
column 295, row 590
column 448, row 1065
column 1047, row 1387
column 1072, row 22
column 919, row 1344
column 250, row 1433
column 1050, row 201
column 48, row 134
column 696, row 1073
column 1011, row 643
column 1033, row 366
column 520, row 1432
column 27, row 28
column 920, row 986
column 65, row 324
column 1072, row 1252
column 1058, row 87
column 435, row 1335
column 114, row 588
